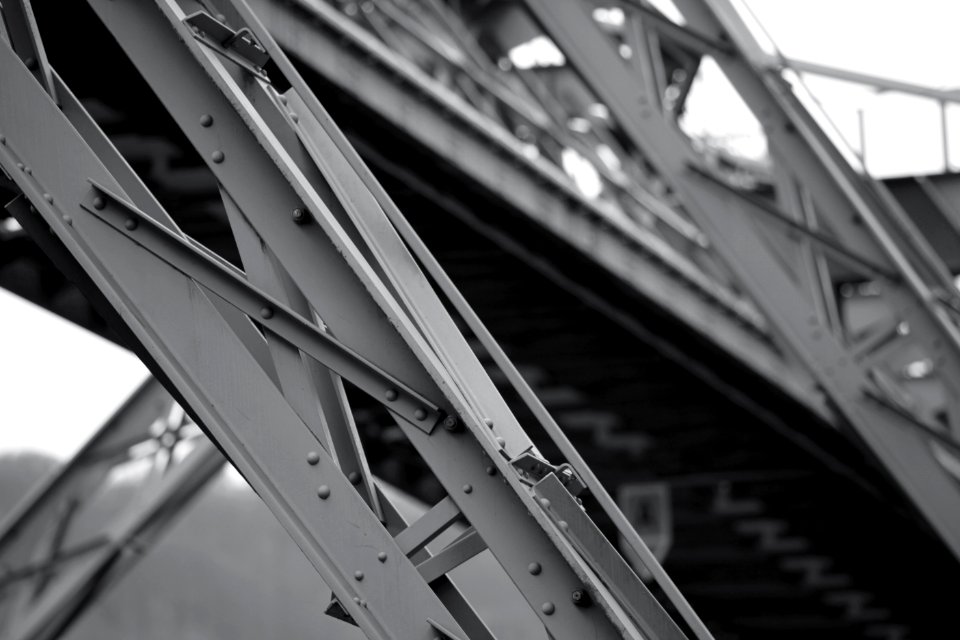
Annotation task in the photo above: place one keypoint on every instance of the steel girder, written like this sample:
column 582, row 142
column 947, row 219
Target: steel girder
column 662, row 255
column 330, row 290
column 841, row 218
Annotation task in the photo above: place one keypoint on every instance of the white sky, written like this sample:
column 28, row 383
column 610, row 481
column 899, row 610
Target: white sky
column 912, row 42
column 59, row 382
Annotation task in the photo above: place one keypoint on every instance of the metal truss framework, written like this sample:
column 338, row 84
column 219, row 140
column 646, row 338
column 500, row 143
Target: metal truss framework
column 830, row 225
column 331, row 292
column 452, row 111
column 830, row 229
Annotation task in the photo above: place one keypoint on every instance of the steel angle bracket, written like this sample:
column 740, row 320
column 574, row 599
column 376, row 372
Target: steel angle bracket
column 533, row 469
column 260, row 307
column 239, row 46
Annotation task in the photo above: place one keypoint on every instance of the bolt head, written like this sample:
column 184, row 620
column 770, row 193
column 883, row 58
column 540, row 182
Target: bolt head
column 323, row 492
column 299, row 216
column 580, row 598
column 450, row 423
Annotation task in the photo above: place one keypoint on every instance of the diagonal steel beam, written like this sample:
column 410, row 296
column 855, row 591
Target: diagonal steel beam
column 316, row 209
column 727, row 220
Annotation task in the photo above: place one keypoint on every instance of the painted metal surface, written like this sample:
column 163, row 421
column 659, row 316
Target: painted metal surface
column 341, row 291
column 857, row 213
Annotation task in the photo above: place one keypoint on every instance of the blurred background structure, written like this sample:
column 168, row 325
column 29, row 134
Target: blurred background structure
column 718, row 239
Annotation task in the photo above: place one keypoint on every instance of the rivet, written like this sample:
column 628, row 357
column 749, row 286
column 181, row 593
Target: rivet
column 31, row 63
column 27, row 170
column 353, row 477
column 295, row 117
column 48, row 197
column 313, row 458
column 67, row 220
column 501, row 442
column 545, row 503
column 491, row 470
column 98, row 203
column 358, row 575
column 299, row 216
column 266, row 313
column 3, row 139
column 356, row 599
column 363, row 603
column 20, row 166
column 391, row 394
column 534, row 568
column 283, row 99
column 206, row 120
column 217, row 156
column 130, row 224
column 323, row 491
column 419, row 414
column 563, row 525
column 467, row 488
column 382, row 556
column 489, row 423
column 548, row 608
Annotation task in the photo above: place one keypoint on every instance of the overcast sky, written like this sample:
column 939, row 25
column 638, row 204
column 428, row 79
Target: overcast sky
column 912, row 42
column 59, row 382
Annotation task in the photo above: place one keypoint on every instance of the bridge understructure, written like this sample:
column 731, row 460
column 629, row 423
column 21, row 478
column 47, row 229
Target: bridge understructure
column 759, row 364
